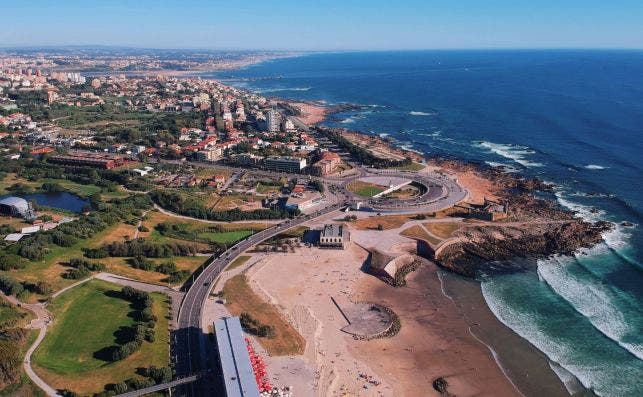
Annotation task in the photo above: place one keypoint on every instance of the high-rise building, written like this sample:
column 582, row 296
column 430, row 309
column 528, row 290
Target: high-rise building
column 273, row 121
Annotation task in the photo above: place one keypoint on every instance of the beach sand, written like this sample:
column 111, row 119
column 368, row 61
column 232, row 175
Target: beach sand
column 311, row 113
column 440, row 337
column 434, row 341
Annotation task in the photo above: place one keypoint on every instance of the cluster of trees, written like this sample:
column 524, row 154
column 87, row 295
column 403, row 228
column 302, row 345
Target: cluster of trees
column 155, row 376
column 176, row 202
column 12, row 340
column 35, row 246
column 317, row 184
column 149, row 249
column 144, row 328
column 361, row 154
column 52, row 187
column 81, row 268
column 10, row 262
column 254, row 327
column 168, row 268
column 11, row 286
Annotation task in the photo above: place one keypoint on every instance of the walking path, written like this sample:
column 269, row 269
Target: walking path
column 44, row 317
column 175, row 296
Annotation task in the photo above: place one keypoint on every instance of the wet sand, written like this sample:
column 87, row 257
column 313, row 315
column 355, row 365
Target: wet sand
column 441, row 337
column 526, row 366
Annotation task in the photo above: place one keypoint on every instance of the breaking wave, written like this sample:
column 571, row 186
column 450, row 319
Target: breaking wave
column 283, row 89
column 516, row 153
column 416, row 113
column 595, row 167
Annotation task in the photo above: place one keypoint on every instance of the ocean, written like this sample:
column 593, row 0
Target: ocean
column 570, row 117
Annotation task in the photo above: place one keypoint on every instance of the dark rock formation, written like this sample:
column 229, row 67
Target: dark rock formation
column 482, row 245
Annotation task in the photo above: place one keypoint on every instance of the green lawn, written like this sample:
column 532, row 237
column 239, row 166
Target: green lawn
column 92, row 317
column 86, row 323
column 412, row 167
column 229, row 237
column 261, row 188
column 369, row 191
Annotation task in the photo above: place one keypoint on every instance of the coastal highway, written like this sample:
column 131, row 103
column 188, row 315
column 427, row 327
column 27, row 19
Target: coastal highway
column 191, row 350
column 189, row 340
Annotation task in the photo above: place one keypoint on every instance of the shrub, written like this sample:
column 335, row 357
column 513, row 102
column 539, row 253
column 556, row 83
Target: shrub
column 254, row 327
column 10, row 286
column 167, row 268
column 141, row 262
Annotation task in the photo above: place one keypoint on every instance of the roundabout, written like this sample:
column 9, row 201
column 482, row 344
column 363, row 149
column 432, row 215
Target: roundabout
column 388, row 191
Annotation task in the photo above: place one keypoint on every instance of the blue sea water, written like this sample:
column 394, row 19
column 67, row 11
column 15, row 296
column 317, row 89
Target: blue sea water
column 573, row 118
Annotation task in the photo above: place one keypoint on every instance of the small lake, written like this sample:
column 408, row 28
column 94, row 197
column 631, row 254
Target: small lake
column 59, row 200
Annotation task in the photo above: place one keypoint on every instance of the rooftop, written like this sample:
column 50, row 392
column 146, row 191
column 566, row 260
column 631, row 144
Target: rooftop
column 237, row 371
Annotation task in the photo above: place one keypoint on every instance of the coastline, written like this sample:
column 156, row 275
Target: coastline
column 526, row 369
column 500, row 342
column 522, row 363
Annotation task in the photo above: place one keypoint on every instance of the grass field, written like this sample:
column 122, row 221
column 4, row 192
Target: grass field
column 241, row 298
column 263, row 189
column 228, row 237
column 87, row 321
column 51, row 267
column 412, row 167
column 72, row 187
column 417, row 232
column 365, row 189
column 443, row 229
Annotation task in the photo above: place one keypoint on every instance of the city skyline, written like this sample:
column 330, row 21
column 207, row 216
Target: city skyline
column 333, row 26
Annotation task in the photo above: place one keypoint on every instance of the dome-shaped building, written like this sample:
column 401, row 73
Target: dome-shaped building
column 14, row 206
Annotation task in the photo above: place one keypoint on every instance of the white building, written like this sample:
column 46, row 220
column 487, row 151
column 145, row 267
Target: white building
column 289, row 126
column 273, row 121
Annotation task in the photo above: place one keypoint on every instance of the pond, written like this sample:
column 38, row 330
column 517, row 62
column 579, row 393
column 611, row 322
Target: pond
column 58, row 200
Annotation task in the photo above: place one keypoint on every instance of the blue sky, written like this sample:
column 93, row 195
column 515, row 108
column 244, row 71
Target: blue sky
column 325, row 25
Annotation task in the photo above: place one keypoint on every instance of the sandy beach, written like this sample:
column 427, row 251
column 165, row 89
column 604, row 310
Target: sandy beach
column 311, row 113
column 436, row 338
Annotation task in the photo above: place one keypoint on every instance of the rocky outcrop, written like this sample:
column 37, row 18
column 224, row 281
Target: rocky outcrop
column 479, row 247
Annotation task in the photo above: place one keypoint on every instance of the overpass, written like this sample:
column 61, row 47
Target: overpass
column 161, row 387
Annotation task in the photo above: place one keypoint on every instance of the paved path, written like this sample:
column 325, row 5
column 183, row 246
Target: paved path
column 176, row 296
column 43, row 318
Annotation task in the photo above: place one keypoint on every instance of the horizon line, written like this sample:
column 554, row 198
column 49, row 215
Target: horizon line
column 238, row 49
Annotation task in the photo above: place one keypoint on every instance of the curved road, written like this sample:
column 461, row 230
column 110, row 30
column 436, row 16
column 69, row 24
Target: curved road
column 190, row 344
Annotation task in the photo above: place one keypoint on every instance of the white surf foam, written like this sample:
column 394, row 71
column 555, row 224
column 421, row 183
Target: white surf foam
column 591, row 375
column 592, row 298
column 418, row 113
column 572, row 384
column 585, row 212
column 505, row 167
column 283, row 89
column 348, row 120
column 595, row 167
column 515, row 153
